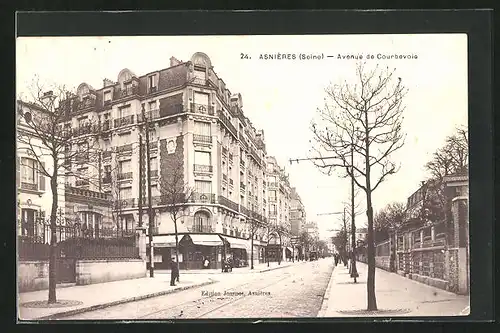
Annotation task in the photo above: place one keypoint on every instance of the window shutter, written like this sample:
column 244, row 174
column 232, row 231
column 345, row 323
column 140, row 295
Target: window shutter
column 42, row 178
column 18, row 172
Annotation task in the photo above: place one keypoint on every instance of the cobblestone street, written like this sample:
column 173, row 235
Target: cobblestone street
column 295, row 291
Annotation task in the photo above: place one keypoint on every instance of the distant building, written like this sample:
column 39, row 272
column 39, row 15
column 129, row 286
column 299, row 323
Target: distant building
column 297, row 213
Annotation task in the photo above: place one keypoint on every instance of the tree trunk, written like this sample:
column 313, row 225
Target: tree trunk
column 177, row 249
column 372, row 301
column 53, row 241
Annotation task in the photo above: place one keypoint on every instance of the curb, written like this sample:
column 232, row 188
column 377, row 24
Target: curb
column 121, row 301
column 273, row 268
column 326, row 296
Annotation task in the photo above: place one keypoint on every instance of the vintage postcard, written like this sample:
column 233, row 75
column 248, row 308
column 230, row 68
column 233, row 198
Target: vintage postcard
column 197, row 177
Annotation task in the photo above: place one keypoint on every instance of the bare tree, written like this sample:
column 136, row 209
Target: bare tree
column 362, row 120
column 46, row 138
column 254, row 226
column 390, row 217
column 175, row 194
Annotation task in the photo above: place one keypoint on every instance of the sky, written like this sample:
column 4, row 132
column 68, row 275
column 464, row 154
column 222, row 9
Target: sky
column 282, row 96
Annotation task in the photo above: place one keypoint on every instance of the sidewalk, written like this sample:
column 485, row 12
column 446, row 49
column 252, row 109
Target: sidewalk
column 396, row 296
column 257, row 268
column 97, row 296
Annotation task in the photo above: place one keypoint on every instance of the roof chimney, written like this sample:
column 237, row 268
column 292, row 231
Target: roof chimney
column 48, row 97
column 107, row 83
column 174, row 61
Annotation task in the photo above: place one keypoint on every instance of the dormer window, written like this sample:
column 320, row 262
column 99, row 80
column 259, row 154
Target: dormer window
column 107, row 97
column 152, row 83
column 200, row 76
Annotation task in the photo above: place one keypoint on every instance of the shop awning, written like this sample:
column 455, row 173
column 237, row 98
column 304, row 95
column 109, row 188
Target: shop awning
column 236, row 243
column 206, row 240
column 165, row 241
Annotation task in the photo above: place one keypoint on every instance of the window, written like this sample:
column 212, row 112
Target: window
column 125, row 166
column 28, row 217
column 152, row 81
column 272, row 195
column 154, row 191
column 202, row 128
column 126, row 193
column 200, row 76
column 272, row 208
column 202, row 186
column 153, row 163
column 82, row 121
column 200, row 98
column 124, row 111
column 202, row 158
column 28, row 171
column 91, row 223
column 107, row 96
column 152, row 105
column 272, row 179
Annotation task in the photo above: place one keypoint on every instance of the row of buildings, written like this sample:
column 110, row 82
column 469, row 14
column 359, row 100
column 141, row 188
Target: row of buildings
column 194, row 119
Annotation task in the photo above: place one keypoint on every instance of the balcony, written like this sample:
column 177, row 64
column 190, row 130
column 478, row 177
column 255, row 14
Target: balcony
column 201, row 228
column 202, row 138
column 272, row 184
column 231, row 182
column 203, row 198
column 82, row 182
column 124, row 121
column 223, row 119
column 244, row 210
column 200, row 81
column 228, row 203
column 106, row 180
column 150, row 115
column 242, row 163
column 152, row 90
column 243, row 140
column 224, row 151
column 224, row 177
column 128, row 91
column 153, row 173
column 242, row 186
column 203, row 168
column 153, row 145
column 86, row 193
column 82, row 130
column 124, row 148
column 273, row 214
column 230, row 158
column 125, row 175
column 29, row 186
column 201, row 109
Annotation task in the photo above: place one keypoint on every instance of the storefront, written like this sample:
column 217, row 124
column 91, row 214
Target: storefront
column 239, row 251
column 274, row 252
column 164, row 251
column 196, row 248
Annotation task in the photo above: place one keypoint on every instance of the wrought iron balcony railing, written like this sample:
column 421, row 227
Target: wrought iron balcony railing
column 224, row 151
column 29, row 186
column 228, row 203
column 127, row 91
column 224, row 177
column 201, row 228
column 242, row 186
column 82, row 182
column 223, row 119
column 203, row 197
column 123, row 121
column 202, row 138
column 153, row 173
column 201, row 109
column 150, row 115
column 203, row 168
column 124, row 148
column 125, row 175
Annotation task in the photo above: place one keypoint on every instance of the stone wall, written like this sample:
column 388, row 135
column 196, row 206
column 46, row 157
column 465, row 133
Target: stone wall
column 33, row 275
column 99, row 271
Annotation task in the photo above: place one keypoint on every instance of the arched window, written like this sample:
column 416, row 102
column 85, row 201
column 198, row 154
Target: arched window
column 201, row 222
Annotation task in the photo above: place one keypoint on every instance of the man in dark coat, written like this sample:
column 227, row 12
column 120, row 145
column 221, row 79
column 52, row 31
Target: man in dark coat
column 174, row 272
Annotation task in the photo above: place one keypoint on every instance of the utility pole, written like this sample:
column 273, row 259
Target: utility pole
column 141, row 175
column 150, row 209
column 345, row 237
column 354, row 271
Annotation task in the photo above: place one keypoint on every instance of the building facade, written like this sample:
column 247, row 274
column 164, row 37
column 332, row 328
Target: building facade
column 194, row 119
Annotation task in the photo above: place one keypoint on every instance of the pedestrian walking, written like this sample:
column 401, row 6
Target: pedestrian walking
column 174, row 272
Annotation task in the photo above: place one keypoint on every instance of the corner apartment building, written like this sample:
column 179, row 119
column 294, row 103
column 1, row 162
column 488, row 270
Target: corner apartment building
column 197, row 120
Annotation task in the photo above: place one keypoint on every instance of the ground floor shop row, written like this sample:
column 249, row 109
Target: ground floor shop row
column 194, row 249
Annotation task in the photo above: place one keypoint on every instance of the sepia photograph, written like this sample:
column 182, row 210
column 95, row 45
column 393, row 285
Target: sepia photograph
column 242, row 176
